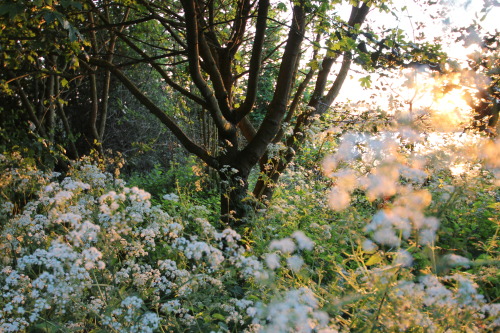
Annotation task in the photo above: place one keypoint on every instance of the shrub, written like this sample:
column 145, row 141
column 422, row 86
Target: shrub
column 84, row 251
column 88, row 252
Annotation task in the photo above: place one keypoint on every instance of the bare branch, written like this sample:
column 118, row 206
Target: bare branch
column 247, row 129
column 189, row 144
column 192, row 34
column 121, row 25
column 277, row 108
column 337, row 84
column 31, row 109
column 255, row 61
column 160, row 70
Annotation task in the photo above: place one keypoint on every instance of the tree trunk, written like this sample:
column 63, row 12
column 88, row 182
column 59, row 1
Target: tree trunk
column 266, row 183
column 234, row 190
column 319, row 103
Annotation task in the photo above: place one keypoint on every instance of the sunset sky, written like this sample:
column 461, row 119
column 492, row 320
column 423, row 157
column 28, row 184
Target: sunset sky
column 460, row 13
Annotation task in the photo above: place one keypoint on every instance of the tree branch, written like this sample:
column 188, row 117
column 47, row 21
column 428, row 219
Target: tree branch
column 221, row 93
column 192, row 34
column 107, row 76
column 337, row 84
column 239, row 26
column 122, row 24
column 160, row 70
column 190, row 145
column 255, row 61
column 30, row 108
column 300, row 89
column 166, row 23
column 247, row 129
column 277, row 108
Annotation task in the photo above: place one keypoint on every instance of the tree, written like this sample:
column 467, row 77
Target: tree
column 485, row 64
column 213, row 53
column 34, row 52
column 39, row 60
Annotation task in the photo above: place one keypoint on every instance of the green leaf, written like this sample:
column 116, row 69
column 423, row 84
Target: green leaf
column 495, row 205
column 253, row 298
column 11, row 9
column 73, row 33
column 335, row 47
column 313, row 64
column 374, row 259
column 219, row 316
column 50, row 17
column 69, row 3
column 366, row 81
column 350, row 43
column 281, row 6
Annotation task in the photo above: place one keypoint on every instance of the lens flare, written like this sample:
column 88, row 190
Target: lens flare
column 444, row 98
column 450, row 111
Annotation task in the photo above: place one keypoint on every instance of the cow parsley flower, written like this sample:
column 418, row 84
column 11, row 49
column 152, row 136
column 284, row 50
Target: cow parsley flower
column 171, row 197
column 303, row 241
column 295, row 263
column 369, row 246
column 403, row 258
column 285, row 245
column 339, row 199
column 272, row 260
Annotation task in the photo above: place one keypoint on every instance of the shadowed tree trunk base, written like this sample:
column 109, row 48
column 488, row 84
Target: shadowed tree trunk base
column 236, row 207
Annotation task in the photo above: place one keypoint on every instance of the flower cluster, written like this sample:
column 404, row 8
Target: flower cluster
column 460, row 306
column 286, row 247
column 87, row 252
column 91, row 251
column 408, row 176
column 296, row 311
column 393, row 168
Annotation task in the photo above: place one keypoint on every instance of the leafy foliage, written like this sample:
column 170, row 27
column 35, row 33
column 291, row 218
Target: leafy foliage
column 311, row 261
column 387, row 220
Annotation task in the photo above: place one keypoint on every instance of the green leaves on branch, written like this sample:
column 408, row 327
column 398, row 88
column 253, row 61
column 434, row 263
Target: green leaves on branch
column 366, row 81
column 12, row 10
column 37, row 16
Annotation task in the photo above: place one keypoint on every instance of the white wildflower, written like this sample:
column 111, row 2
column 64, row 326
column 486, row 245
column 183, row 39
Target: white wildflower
column 386, row 236
column 171, row 197
column 403, row 258
column 339, row 199
column 295, row 263
column 272, row 260
column 369, row 246
column 303, row 241
column 285, row 245
column 456, row 260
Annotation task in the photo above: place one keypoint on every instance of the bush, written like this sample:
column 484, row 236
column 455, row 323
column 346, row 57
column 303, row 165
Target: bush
column 364, row 247
column 90, row 253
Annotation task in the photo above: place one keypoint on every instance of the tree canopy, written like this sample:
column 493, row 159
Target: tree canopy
column 233, row 80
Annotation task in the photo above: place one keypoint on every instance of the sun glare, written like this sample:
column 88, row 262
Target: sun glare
column 450, row 111
column 442, row 98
